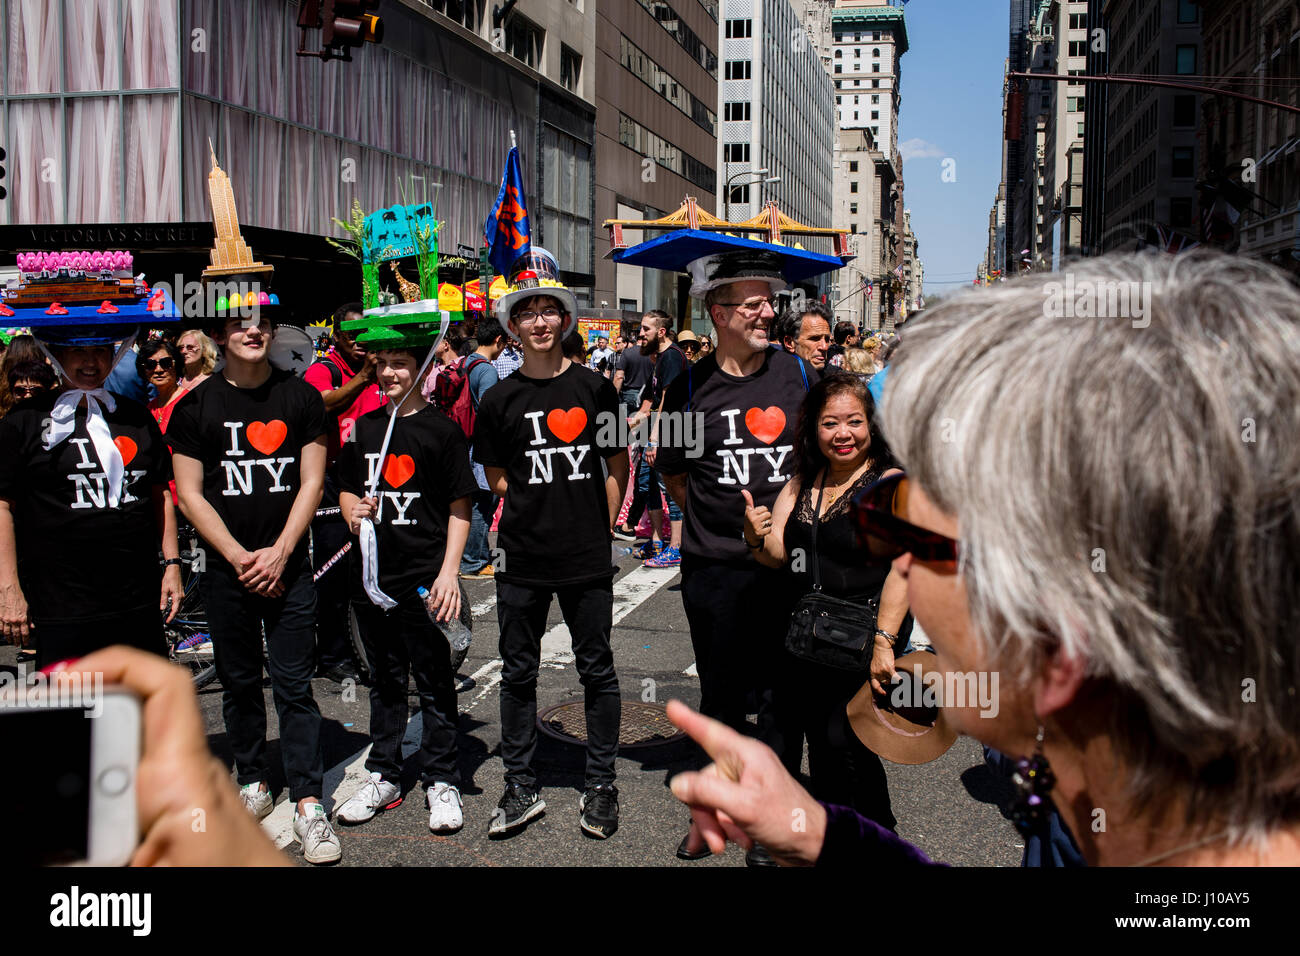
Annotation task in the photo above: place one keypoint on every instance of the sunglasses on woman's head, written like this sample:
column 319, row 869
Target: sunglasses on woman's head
column 166, row 364
column 886, row 536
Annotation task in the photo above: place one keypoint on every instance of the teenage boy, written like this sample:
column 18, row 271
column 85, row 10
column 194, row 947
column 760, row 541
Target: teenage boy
column 84, row 512
column 537, row 435
column 249, row 454
column 420, row 511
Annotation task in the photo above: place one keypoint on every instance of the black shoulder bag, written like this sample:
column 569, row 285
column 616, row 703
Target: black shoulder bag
column 827, row 630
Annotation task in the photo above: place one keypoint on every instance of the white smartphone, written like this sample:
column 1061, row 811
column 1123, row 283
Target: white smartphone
column 73, row 777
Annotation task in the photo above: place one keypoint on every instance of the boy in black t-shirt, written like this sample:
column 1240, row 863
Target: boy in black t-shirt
column 84, row 512
column 537, row 435
column 249, row 455
column 416, row 495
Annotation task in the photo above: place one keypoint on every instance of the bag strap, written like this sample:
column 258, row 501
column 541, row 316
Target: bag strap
column 802, row 372
column 817, row 519
column 466, row 365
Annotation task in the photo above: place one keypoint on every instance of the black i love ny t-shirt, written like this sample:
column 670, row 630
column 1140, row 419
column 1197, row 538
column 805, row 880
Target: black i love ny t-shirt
column 552, row 437
column 749, row 424
column 249, row 441
column 78, row 558
column 425, row 470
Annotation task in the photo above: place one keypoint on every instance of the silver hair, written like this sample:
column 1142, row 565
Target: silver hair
column 1127, row 488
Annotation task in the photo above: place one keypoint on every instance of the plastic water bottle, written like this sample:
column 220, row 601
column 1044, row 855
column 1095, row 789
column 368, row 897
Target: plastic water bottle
column 458, row 635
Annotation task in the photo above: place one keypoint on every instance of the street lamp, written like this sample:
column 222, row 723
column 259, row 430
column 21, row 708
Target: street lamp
column 726, row 190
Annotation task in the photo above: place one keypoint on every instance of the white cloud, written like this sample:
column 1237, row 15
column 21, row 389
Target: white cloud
column 920, row 149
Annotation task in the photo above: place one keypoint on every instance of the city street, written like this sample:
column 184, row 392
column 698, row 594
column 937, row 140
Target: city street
column 947, row 807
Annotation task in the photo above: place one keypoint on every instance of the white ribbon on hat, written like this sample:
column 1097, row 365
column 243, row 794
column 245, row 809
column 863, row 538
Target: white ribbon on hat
column 367, row 538
column 63, row 420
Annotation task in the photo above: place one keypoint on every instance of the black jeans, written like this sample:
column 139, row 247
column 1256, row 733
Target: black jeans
column 398, row 641
column 328, row 535
column 588, row 610
column 61, row 641
column 738, row 617
column 811, row 703
column 237, row 617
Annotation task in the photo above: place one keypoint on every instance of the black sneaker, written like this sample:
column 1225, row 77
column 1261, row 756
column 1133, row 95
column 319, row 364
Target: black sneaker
column 599, row 809
column 517, row 806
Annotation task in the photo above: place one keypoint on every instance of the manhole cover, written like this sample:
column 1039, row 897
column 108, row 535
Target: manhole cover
column 643, row 725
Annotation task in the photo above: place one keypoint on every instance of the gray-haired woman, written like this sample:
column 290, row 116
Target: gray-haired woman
column 1101, row 509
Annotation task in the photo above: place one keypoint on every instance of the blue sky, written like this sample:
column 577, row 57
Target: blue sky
column 952, row 109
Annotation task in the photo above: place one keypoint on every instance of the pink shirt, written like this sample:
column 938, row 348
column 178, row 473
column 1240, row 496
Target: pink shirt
column 370, row 398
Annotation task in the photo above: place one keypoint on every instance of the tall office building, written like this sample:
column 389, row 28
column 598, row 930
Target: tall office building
column 1250, row 156
column 777, row 106
column 108, row 105
column 1140, row 160
column 870, row 38
column 657, row 131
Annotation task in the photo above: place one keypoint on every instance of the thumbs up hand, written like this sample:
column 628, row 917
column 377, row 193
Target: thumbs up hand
column 758, row 521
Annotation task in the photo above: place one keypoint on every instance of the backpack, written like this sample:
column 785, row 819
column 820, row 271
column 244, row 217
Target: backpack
column 452, row 394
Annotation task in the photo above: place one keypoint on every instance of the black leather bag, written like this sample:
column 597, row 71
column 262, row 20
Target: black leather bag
column 828, row 630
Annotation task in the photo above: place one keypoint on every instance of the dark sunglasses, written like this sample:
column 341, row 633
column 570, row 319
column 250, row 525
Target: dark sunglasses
column 27, row 391
column 886, row 536
column 166, row 364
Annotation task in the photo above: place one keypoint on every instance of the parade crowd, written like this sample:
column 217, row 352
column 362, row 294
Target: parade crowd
column 843, row 495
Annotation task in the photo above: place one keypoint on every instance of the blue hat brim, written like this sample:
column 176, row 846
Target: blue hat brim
column 81, row 336
column 675, row 251
column 127, row 314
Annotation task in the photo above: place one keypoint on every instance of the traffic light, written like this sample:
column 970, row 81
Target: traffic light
column 344, row 24
column 348, row 25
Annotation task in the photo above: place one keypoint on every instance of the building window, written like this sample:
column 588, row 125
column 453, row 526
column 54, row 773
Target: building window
column 1078, row 21
column 1180, row 212
column 875, row 114
column 739, row 69
column 876, row 52
column 875, row 97
column 853, row 228
column 1186, row 59
column 857, row 52
column 839, row 68
column 739, row 29
column 652, row 75
column 875, row 68
column 735, row 152
column 1186, row 11
column 838, row 53
column 875, row 131
column 1080, row 129
column 853, row 165
column 1078, row 48
column 524, row 40
column 855, row 114
column 875, row 84
column 875, row 36
column 837, row 84
column 855, row 101
column 1182, row 166
column 837, row 100
column 570, row 68
column 1074, row 104
column 737, row 111
column 853, row 209
column 739, row 194
column 1184, row 110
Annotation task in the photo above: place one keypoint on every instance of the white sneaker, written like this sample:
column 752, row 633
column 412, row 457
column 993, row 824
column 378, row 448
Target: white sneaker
column 256, row 801
column 313, row 831
column 444, row 804
column 375, row 794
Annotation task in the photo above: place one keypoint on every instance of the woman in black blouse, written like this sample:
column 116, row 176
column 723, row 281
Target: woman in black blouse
column 840, row 454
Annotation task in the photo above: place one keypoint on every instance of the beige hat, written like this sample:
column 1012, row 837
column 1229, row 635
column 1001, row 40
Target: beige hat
column 902, row 726
column 686, row 335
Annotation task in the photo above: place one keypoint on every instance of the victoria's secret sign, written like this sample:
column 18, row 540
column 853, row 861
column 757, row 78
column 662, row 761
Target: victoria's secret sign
column 130, row 236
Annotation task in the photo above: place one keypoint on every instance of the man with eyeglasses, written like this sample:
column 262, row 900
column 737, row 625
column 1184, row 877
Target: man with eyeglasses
column 538, row 436
column 748, row 395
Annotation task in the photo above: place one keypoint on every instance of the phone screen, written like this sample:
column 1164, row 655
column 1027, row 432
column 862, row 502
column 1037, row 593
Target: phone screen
column 50, row 801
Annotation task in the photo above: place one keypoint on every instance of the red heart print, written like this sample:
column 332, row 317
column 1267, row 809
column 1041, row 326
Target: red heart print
column 765, row 424
column 127, row 448
column 566, row 425
column 266, row 437
column 398, row 470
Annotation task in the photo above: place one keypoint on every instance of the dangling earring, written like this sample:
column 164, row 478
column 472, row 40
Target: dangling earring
column 1034, row 780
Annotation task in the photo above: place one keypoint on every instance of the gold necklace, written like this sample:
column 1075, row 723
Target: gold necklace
column 829, row 494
